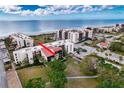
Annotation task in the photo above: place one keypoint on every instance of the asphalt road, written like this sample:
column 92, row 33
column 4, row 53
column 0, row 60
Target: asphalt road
column 3, row 80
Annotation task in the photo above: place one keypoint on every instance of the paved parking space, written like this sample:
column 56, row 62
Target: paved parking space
column 83, row 54
column 113, row 56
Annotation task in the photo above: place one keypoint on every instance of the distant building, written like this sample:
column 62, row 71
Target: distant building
column 74, row 35
column 115, row 28
column 21, row 40
column 104, row 45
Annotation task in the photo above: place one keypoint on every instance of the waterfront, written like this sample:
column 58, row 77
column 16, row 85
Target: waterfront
column 37, row 26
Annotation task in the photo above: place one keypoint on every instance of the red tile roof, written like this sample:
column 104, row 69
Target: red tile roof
column 104, row 44
column 47, row 53
column 55, row 49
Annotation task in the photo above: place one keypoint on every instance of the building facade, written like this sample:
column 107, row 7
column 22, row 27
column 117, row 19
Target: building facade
column 21, row 40
column 28, row 53
column 5, row 54
column 74, row 35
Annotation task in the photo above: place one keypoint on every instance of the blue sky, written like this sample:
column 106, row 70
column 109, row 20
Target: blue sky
column 60, row 12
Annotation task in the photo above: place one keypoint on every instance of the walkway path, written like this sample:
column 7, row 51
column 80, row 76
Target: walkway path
column 78, row 77
column 13, row 79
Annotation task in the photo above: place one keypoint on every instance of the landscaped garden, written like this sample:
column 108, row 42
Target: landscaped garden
column 75, row 69
column 52, row 75
column 55, row 73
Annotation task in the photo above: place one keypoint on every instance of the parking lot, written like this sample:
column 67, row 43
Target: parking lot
column 3, row 80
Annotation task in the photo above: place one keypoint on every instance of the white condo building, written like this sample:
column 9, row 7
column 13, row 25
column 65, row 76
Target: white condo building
column 25, row 54
column 74, row 35
column 21, row 40
column 57, row 47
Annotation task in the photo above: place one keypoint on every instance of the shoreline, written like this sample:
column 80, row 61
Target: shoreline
column 54, row 30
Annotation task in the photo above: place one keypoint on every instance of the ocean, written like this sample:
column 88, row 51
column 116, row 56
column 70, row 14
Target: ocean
column 38, row 26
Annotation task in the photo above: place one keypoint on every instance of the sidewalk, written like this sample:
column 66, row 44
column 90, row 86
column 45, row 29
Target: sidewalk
column 13, row 79
column 77, row 77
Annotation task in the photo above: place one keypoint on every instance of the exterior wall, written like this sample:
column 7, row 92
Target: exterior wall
column 5, row 53
column 22, row 40
column 30, row 57
column 2, row 44
column 81, row 36
column 19, row 56
column 74, row 36
column 29, row 42
column 59, row 35
column 90, row 34
column 43, row 55
column 69, row 47
column 63, row 35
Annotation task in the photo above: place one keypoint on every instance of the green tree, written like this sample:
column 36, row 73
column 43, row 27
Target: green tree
column 88, row 66
column 35, row 83
column 56, row 65
column 122, row 39
column 37, row 59
column 57, row 79
column 115, row 46
column 110, row 77
column 56, row 73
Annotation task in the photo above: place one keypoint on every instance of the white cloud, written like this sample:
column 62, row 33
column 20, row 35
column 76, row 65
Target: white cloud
column 53, row 9
column 40, row 11
column 10, row 8
column 26, row 12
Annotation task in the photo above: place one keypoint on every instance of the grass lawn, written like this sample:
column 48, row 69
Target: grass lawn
column 82, row 83
column 31, row 72
column 43, row 38
column 39, row 38
column 94, row 43
column 118, row 52
column 72, row 68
